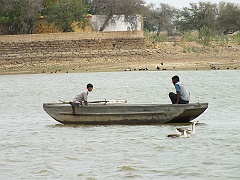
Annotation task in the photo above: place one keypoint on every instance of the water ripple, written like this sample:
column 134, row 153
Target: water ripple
column 34, row 146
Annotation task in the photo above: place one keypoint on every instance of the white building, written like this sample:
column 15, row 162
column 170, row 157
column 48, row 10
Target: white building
column 117, row 23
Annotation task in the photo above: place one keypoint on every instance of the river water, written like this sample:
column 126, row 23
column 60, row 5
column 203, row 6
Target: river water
column 34, row 146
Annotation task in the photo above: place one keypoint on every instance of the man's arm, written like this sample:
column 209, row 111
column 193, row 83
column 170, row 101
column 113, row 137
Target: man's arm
column 178, row 90
column 178, row 97
column 85, row 98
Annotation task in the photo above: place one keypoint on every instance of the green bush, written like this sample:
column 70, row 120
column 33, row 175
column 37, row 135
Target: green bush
column 187, row 36
column 189, row 49
column 153, row 38
column 160, row 38
column 207, row 35
column 236, row 37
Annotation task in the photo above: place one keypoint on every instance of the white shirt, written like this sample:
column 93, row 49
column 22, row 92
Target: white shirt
column 81, row 97
column 180, row 87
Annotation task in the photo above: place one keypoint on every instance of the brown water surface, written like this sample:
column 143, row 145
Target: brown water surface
column 34, row 146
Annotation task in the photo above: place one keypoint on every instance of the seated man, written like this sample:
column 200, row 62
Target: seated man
column 82, row 97
column 182, row 96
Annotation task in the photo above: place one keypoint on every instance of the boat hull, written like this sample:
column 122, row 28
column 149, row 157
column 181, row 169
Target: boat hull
column 125, row 114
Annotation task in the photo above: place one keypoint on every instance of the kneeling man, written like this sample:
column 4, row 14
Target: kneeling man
column 182, row 96
column 82, row 97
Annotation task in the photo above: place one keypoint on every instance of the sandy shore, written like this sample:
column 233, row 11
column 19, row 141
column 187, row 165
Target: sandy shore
column 165, row 56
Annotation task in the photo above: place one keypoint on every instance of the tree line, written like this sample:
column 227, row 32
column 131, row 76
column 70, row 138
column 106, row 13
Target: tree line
column 19, row 16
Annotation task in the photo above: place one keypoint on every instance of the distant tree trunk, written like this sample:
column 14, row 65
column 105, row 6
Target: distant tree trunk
column 106, row 22
column 158, row 30
column 55, row 28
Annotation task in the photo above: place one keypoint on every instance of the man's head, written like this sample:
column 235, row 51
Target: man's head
column 175, row 79
column 89, row 87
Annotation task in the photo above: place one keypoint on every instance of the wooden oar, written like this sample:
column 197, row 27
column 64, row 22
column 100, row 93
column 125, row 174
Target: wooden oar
column 101, row 101
column 65, row 102
column 110, row 101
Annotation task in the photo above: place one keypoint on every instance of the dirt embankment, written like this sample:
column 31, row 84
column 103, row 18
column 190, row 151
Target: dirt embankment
column 113, row 54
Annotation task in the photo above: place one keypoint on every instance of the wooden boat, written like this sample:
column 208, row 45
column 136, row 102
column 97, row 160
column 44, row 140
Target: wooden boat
column 99, row 113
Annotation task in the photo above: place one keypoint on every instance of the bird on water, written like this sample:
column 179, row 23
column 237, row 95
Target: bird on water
column 183, row 135
column 181, row 132
column 189, row 131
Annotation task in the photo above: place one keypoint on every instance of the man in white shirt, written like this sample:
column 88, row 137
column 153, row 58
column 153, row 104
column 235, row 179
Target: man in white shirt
column 182, row 96
column 82, row 97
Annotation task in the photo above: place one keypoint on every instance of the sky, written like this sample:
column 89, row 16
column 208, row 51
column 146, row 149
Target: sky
column 185, row 3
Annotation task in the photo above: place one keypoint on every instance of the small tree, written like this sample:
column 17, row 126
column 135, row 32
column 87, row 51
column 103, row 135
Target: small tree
column 19, row 15
column 160, row 18
column 228, row 17
column 206, row 35
column 197, row 16
column 64, row 12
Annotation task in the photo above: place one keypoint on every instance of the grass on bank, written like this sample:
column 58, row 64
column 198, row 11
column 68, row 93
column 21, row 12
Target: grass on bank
column 205, row 36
